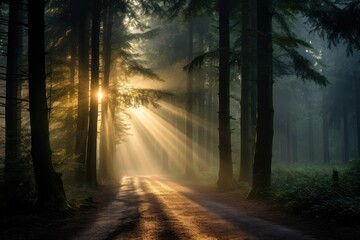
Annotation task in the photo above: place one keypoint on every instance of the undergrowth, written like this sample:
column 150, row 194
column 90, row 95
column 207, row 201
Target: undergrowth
column 312, row 192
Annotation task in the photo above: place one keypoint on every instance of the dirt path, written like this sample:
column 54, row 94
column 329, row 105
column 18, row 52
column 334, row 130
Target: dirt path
column 156, row 208
column 153, row 207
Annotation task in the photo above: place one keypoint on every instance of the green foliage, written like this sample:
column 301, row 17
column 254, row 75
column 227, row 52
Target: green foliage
column 352, row 176
column 338, row 23
column 313, row 193
column 188, row 8
column 199, row 61
column 303, row 69
column 288, row 47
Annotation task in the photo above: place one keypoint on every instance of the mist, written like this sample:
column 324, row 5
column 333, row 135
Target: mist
column 179, row 119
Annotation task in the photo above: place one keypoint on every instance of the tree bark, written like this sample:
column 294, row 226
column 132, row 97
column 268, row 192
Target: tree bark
column 226, row 179
column 325, row 125
column 14, row 167
column 358, row 125
column 288, row 141
column 189, row 165
column 294, row 143
column 248, row 75
column 209, row 124
column 263, row 153
column 105, row 135
column 83, row 90
column 165, row 163
column 51, row 194
column 71, row 92
column 211, row 119
column 201, row 111
column 346, row 135
column 311, row 138
column 91, row 176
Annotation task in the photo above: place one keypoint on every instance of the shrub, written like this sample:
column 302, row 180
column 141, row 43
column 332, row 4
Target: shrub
column 312, row 193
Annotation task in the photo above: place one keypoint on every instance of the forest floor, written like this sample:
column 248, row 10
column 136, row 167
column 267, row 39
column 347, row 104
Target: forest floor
column 153, row 207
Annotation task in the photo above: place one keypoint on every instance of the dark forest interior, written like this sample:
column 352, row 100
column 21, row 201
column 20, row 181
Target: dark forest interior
column 179, row 119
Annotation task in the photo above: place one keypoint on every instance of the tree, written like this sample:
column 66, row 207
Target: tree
column 73, row 53
column 14, row 167
column 325, row 125
column 263, row 153
column 337, row 22
column 91, row 177
column 357, row 89
column 51, row 194
column 200, row 92
column 311, row 137
column 248, row 78
column 189, row 165
column 226, row 179
column 346, row 134
column 105, row 135
column 83, row 88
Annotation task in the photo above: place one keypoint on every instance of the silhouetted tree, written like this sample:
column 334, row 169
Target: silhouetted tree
column 91, row 176
column 346, row 134
column 337, row 22
column 51, row 194
column 105, row 134
column 189, row 165
column 226, row 179
column 263, row 153
column 325, row 125
column 83, row 88
column 14, row 166
column 248, row 78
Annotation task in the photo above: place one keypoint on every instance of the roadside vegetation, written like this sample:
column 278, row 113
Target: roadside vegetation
column 324, row 192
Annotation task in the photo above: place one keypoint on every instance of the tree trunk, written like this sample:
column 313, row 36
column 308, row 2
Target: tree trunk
column 311, row 138
column 91, row 178
column 325, row 126
column 357, row 115
column 226, row 179
column 282, row 145
column 346, row 135
column 176, row 117
column 248, row 75
column 201, row 111
column 358, row 126
column 288, row 141
column 189, row 165
column 14, row 167
column 51, row 194
column 263, row 153
column 209, row 129
column 165, row 163
column 294, row 143
column 21, row 60
column 72, row 68
column 211, row 119
column 83, row 90
column 105, row 154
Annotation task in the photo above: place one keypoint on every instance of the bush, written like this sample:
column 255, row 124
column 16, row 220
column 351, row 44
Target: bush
column 313, row 193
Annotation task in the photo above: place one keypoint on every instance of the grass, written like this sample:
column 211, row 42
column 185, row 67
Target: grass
column 312, row 192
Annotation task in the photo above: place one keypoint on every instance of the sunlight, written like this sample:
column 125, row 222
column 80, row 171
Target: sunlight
column 156, row 145
column 100, row 95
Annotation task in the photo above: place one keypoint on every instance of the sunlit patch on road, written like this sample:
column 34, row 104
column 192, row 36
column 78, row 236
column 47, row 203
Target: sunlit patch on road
column 152, row 207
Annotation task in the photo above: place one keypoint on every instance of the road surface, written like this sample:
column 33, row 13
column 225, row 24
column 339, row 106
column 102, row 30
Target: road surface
column 150, row 207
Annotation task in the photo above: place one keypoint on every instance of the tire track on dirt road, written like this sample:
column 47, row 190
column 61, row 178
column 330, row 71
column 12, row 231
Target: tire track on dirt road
column 207, row 219
column 150, row 207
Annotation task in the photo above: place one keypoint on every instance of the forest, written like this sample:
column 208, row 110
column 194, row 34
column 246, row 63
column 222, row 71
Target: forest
column 179, row 119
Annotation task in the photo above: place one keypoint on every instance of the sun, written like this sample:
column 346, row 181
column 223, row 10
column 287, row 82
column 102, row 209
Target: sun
column 100, row 96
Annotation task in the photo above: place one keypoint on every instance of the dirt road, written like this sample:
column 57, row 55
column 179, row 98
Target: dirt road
column 157, row 208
